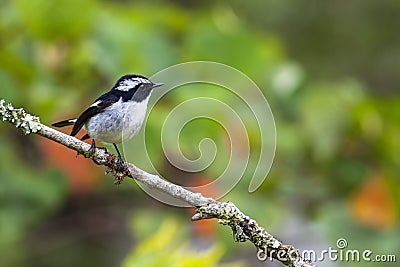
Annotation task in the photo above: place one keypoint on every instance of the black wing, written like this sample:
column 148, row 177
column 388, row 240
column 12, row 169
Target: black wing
column 64, row 123
column 99, row 105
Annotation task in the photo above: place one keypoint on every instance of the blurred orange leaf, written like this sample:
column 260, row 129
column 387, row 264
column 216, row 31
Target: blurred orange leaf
column 204, row 229
column 372, row 205
column 81, row 173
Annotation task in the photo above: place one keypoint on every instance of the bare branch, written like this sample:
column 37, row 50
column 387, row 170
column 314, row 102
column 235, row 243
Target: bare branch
column 243, row 227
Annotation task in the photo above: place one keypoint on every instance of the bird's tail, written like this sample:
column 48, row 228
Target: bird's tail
column 64, row 123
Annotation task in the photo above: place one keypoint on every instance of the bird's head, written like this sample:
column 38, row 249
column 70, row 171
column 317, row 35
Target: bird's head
column 136, row 86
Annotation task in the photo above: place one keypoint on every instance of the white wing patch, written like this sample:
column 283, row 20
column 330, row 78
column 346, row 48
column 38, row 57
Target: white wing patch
column 95, row 104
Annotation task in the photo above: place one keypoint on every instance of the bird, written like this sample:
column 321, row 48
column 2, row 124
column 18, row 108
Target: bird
column 117, row 115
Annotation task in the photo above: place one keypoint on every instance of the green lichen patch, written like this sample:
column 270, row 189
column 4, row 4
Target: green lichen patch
column 17, row 116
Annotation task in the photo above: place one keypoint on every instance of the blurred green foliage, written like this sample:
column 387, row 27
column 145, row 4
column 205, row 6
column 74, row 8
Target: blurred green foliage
column 166, row 247
column 328, row 69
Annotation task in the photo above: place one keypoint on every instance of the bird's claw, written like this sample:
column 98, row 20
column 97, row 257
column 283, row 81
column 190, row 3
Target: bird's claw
column 119, row 164
column 90, row 152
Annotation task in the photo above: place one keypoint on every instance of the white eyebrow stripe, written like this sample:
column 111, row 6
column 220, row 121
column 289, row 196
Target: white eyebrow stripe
column 131, row 83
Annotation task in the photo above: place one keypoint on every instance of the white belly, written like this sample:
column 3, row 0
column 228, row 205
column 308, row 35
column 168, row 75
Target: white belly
column 118, row 123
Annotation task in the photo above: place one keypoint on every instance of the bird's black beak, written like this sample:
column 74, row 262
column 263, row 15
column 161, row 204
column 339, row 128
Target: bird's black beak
column 157, row 85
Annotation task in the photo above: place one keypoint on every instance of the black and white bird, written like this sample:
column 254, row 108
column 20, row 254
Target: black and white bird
column 117, row 115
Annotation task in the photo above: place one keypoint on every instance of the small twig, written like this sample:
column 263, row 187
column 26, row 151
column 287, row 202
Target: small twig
column 243, row 227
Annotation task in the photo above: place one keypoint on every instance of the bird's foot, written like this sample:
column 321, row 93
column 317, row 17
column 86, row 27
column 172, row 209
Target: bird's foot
column 119, row 164
column 90, row 152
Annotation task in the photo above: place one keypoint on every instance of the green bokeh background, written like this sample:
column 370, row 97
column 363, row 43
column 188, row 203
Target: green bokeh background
column 330, row 72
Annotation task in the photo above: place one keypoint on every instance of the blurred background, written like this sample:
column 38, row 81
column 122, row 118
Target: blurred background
column 329, row 69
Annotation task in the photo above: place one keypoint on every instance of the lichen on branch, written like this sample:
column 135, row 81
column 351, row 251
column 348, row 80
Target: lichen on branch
column 17, row 116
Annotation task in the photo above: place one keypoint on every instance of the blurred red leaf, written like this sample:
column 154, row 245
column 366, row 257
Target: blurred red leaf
column 81, row 173
column 204, row 229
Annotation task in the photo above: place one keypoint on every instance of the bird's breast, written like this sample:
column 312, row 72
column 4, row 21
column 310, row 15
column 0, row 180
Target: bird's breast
column 119, row 122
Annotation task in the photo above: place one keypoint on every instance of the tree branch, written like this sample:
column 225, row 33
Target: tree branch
column 243, row 227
